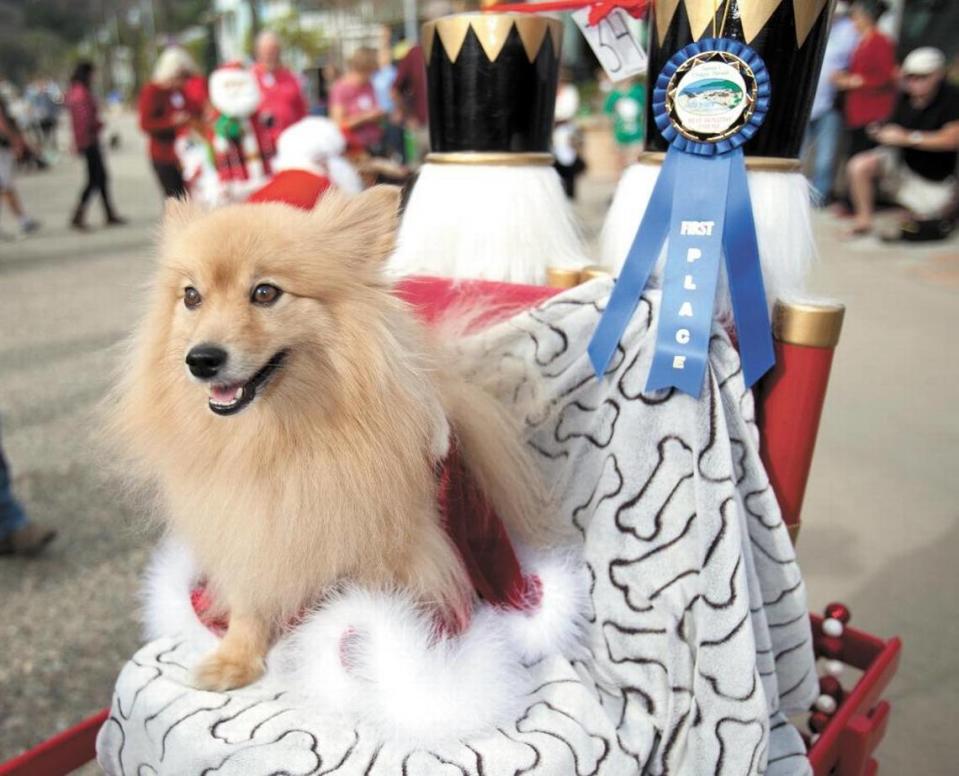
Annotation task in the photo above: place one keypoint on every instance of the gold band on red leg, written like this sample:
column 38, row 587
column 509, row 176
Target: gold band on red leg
column 562, row 277
column 814, row 325
column 566, row 277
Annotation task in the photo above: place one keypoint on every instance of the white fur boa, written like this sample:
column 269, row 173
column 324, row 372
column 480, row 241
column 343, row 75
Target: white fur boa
column 492, row 222
column 376, row 657
column 783, row 227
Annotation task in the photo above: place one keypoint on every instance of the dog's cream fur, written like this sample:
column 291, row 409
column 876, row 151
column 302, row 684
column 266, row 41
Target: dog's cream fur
column 328, row 476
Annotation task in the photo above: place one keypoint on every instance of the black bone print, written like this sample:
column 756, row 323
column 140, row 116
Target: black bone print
column 672, row 471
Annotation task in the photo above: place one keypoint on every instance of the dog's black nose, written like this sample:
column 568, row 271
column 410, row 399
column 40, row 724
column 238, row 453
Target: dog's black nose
column 205, row 360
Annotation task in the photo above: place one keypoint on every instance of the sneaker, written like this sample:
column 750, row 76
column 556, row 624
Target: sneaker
column 29, row 540
column 29, row 226
column 116, row 221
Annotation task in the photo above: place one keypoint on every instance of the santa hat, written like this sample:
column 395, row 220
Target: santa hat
column 299, row 188
column 307, row 163
column 316, row 144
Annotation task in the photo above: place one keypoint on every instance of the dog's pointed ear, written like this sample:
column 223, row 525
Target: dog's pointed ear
column 178, row 213
column 364, row 224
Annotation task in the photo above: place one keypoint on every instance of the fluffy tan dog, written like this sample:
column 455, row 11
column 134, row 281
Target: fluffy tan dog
column 290, row 411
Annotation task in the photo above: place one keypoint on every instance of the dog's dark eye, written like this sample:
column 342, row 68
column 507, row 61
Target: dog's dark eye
column 191, row 297
column 266, row 293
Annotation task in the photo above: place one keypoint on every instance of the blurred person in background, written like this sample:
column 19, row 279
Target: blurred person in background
column 12, row 148
column 165, row 109
column 409, row 97
column 567, row 140
column 821, row 144
column 283, row 103
column 915, row 161
column 45, row 98
column 326, row 76
column 626, row 103
column 869, row 83
column 383, row 80
column 409, row 86
column 85, row 119
column 18, row 534
column 353, row 104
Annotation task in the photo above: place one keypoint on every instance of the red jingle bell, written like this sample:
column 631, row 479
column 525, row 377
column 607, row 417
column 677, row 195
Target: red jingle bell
column 829, row 685
column 818, row 721
column 838, row 611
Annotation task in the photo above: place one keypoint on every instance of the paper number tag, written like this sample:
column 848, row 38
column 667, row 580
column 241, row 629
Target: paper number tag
column 613, row 43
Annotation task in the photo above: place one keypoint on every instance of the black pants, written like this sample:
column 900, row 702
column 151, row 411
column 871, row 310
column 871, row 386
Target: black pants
column 171, row 179
column 97, row 181
column 568, row 175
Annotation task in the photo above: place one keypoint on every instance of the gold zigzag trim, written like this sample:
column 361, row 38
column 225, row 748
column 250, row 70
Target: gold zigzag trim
column 806, row 15
column 492, row 30
column 664, row 11
column 753, row 13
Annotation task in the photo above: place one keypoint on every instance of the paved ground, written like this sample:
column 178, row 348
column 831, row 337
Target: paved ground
column 881, row 521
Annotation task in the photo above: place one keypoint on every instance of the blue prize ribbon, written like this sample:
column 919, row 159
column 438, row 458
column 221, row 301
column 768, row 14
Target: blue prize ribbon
column 702, row 196
column 745, row 276
column 639, row 263
column 692, row 271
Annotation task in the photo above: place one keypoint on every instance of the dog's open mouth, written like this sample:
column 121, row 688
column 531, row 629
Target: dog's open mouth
column 230, row 399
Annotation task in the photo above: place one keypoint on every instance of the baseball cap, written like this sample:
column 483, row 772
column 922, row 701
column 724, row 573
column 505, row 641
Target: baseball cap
column 923, row 61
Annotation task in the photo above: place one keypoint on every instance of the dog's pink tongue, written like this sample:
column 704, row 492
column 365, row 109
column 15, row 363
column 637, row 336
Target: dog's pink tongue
column 224, row 394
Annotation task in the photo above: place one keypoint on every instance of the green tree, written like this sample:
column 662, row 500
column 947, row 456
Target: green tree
column 312, row 43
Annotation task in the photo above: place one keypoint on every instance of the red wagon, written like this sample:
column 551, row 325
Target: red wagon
column 849, row 724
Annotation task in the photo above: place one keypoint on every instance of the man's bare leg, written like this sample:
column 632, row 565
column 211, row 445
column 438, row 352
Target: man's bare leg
column 863, row 170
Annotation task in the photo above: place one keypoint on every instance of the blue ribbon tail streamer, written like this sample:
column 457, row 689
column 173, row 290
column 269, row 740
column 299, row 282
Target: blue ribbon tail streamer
column 636, row 270
column 744, row 272
column 697, row 226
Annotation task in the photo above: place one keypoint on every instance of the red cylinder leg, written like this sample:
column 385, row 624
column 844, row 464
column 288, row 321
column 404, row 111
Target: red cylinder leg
column 791, row 398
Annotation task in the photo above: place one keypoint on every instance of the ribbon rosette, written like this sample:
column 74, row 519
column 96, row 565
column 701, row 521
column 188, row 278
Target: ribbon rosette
column 710, row 98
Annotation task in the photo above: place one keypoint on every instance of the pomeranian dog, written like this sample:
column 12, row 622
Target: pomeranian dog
column 290, row 410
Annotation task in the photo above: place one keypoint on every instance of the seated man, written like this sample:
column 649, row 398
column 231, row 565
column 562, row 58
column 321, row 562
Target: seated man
column 915, row 162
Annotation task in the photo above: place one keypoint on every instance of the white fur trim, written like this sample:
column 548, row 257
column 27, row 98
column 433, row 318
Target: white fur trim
column 167, row 609
column 408, row 684
column 783, row 226
column 556, row 626
column 487, row 221
column 344, row 175
column 399, row 676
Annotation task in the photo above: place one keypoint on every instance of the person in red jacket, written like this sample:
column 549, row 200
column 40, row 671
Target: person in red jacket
column 86, row 141
column 869, row 85
column 283, row 104
column 166, row 109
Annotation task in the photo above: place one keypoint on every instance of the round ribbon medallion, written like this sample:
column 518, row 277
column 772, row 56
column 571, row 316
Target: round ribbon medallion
column 711, row 96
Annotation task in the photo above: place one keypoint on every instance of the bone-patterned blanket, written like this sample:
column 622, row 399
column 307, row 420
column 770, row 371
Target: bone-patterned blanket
column 697, row 637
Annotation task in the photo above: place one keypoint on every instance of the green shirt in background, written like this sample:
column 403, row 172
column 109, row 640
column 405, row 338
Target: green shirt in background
column 627, row 109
